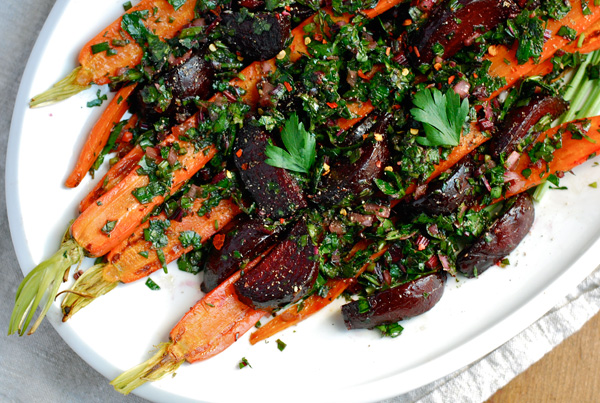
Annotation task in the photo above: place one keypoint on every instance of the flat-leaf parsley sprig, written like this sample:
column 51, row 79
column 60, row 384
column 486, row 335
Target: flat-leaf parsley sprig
column 442, row 115
column 300, row 144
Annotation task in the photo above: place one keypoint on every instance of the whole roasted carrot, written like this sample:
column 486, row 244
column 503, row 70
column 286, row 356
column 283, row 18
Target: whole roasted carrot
column 136, row 257
column 210, row 326
column 101, row 227
column 98, row 67
column 99, row 135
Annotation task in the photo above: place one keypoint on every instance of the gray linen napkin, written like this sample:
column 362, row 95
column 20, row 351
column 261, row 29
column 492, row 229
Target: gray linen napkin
column 43, row 368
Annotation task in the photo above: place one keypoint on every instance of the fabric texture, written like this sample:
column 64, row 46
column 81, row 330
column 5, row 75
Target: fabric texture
column 44, row 369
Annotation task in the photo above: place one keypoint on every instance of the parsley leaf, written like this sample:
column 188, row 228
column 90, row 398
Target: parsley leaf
column 300, row 145
column 442, row 116
column 176, row 3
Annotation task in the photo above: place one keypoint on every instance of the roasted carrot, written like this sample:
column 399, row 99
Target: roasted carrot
column 572, row 153
column 310, row 305
column 115, row 174
column 210, row 326
column 505, row 63
column 135, row 257
column 123, row 211
column 98, row 67
column 99, row 135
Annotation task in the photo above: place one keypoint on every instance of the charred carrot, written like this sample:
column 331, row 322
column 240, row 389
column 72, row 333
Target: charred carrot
column 100, row 60
column 210, row 326
column 136, row 258
column 114, row 175
column 574, row 151
column 99, row 135
column 505, row 63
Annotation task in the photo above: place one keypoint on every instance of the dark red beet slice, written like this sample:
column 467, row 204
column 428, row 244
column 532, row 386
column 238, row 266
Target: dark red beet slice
column 456, row 26
column 275, row 191
column 347, row 181
column 245, row 239
column 190, row 79
column 285, row 275
column 519, row 121
column 397, row 303
column 445, row 196
column 258, row 37
column 502, row 238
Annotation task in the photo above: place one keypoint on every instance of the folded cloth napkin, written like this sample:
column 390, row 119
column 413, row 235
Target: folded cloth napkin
column 44, row 369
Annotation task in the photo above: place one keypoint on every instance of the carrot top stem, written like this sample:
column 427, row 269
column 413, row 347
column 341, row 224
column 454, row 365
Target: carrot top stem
column 160, row 364
column 41, row 285
column 89, row 286
column 65, row 88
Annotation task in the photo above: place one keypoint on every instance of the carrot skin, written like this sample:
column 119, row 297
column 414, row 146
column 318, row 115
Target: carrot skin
column 99, row 135
column 126, row 263
column 165, row 23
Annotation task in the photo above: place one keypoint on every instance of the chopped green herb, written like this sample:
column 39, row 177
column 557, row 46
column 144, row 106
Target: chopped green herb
column 152, row 285
column 127, row 5
column 100, row 47
column 281, row 345
column 143, row 253
column 109, row 226
column 244, row 363
column 177, row 3
column 98, row 101
column 593, row 185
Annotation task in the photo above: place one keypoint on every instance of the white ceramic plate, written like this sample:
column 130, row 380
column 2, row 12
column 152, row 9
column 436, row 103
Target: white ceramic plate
column 322, row 361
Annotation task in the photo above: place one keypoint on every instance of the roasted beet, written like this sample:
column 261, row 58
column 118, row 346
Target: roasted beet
column 445, row 196
column 349, row 180
column 397, row 303
column 186, row 81
column 454, row 24
column 260, row 36
column 245, row 239
column 500, row 239
column 359, row 132
column 285, row 275
column 275, row 191
column 519, row 121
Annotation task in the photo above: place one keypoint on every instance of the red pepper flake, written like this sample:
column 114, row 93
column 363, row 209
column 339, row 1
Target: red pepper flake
column 244, row 166
column 282, row 220
column 475, row 75
column 318, row 37
column 417, row 52
column 387, row 51
column 396, row 107
column 407, row 22
column 127, row 136
column 218, row 241
column 363, row 75
column 239, row 153
column 288, row 8
column 332, row 105
column 450, row 79
column 288, row 86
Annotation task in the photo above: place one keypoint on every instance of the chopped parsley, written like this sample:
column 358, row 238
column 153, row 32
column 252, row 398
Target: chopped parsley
column 244, row 363
column 152, row 285
column 98, row 101
column 281, row 345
